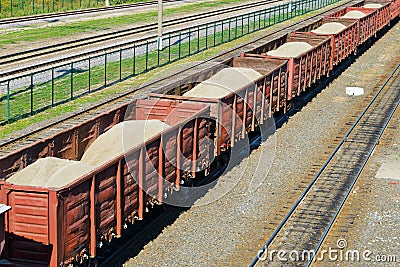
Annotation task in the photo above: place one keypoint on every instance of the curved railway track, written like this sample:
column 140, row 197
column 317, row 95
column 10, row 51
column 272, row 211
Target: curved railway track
column 306, row 225
column 98, row 39
column 80, row 12
column 8, row 145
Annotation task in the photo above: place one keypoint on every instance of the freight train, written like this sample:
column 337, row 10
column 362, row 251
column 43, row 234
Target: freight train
column 73, row 191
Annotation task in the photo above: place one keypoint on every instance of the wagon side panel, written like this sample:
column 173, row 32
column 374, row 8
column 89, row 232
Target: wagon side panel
column 27, row 229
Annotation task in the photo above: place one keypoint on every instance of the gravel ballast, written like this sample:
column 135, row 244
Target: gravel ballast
column 230, row 230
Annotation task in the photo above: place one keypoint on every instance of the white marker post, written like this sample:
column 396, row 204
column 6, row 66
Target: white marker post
column 159, row 28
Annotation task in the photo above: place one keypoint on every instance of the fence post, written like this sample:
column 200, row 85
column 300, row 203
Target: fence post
column 105, row 69
column 8, row 101
column 11, row 7
column 134, row 60
column 147, row 54
column 248, row 23
column 254, row 21
column 31, row 87
column 72, row 80
column 279, row 13
column 241, row 34
column 189, row 40
column 120, row 64
column 158, row 56
column 89, row 74
column 236, row 26
column 222, row 32
column 52, row 86
column 207, row 36
column 198, row 38
column 215, row 28
column 179, row 45
column 169, row 47
column 229, row 30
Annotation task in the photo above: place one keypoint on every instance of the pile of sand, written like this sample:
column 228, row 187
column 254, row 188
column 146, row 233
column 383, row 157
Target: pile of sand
column 120, row 139
column 372, row 6
column 330, row 28
column 291, row 49
column 354, row 14
column 54, row 172
column 224, row 83
column 50, row 172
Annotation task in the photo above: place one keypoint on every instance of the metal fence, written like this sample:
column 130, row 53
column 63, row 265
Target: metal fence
column 29, row 94
column 15, row 8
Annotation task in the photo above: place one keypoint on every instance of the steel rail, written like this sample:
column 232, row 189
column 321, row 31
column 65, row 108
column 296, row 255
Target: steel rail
column 121, row 96
column 45, row 50
column 80, row 11
column 328, row 228
column 315, row 178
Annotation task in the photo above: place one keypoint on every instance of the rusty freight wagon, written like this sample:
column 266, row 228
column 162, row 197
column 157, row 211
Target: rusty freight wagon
column 343, row 32
column 383, row 10
column 367, row 20
column 65, row 220
column 240, row 97
column 309, row 58
column 395, row 8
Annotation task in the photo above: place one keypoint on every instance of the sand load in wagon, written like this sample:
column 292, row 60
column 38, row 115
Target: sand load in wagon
column 232, row 94
column 224, row 83
column 115, row 141
column 308, row 55
column 50, row 172
column 372, row 6
column 291, row 49
column 354, row 14
column 330, row 28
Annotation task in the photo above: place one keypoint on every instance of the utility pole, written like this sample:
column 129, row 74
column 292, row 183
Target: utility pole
column 159, row 28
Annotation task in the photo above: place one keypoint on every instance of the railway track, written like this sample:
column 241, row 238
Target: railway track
column 80, row 12
column 306, row 225
column 35, row 54
column 11, row 144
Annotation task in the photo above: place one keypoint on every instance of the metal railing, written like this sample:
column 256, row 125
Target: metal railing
column 10, row 8
column 26, row 95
